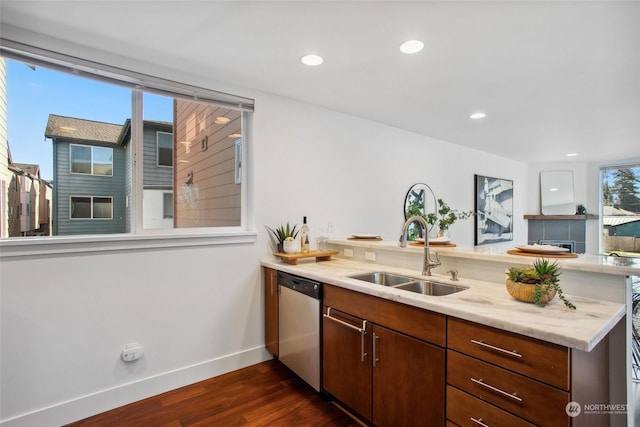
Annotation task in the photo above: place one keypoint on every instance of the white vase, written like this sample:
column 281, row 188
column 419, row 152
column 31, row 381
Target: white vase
column 291, row 247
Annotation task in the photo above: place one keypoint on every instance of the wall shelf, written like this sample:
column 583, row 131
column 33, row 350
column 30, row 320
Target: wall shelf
column 569, row 217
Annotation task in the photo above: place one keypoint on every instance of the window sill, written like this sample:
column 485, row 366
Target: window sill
column 37, row 246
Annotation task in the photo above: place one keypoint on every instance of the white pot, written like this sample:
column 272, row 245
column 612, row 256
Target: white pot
column 291, row 247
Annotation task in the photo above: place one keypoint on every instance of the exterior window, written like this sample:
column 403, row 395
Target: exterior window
column 91, row 160
column 80, row 207
column 91, row 207
column 102, row 161
column 167, row 205
column 175, row 166
column 165, row 149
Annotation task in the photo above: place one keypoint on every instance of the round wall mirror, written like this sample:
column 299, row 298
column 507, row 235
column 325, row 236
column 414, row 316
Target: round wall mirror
column 421, row 201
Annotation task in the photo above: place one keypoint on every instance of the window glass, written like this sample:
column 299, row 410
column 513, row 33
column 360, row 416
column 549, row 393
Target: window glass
column 207, row 194
column 80, row 159
column 165, row 149
column 167, row 205
column 102, row 207
column 102, row 161
column 80, row 207
column 620, row 204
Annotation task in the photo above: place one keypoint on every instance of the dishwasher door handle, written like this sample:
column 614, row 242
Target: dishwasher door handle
column 362, row 330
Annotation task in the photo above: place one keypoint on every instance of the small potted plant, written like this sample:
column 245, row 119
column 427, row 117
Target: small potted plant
column 445, row 217
column 281, row 234
column 537, row 284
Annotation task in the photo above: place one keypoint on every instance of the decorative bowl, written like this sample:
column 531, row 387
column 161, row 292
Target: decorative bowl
column 524, row 292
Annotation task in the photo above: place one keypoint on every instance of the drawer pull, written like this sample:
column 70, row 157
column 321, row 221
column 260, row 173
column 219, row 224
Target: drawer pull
column 513, row 353
column 362, row 331
column 479, row 422
column 481, row 382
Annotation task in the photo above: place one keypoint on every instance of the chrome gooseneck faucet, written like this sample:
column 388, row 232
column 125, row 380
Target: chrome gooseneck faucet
column 429, row 264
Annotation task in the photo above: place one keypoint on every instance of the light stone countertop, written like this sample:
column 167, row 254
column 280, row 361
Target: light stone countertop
column 584, row 262
column 486, row 303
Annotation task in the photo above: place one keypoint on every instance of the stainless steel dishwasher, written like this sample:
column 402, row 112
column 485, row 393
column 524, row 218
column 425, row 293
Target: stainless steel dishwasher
column 299, row 326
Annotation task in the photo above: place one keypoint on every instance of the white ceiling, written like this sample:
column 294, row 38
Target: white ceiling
column 554, row 77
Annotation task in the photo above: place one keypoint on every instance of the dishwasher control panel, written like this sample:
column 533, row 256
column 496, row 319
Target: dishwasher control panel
column 300, row 284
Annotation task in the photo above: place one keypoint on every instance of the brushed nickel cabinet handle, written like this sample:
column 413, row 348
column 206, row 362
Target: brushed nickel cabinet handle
column 513, row 353
column 362, row 331
column 480, row 422
column 375, row 352
column 481, row 382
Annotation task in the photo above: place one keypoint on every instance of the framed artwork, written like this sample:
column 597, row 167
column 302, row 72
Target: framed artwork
column 494, row 210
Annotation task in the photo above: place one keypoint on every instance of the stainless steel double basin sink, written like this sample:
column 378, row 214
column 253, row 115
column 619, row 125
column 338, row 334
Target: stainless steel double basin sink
column 411, row 284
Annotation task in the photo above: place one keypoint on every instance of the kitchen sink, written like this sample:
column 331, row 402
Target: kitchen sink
column 411, row 284
column 427, row 287
column 383, row 278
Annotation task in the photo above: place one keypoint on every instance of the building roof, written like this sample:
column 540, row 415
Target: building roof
column 82, row 130
column 613, row 211
column 615, row 221
column 28, row 168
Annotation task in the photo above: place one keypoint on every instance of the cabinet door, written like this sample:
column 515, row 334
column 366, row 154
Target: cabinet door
column 408, row 380
column 346, row 360
column 271, row 310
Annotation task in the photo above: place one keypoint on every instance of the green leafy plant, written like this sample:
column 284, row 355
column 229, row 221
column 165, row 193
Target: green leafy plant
column 280, row 234
column 544, row 275
column 445, row 217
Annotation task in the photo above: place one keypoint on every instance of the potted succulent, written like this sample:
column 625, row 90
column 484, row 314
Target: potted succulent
column 445, row 217
column 281, row 234
column 537, row 284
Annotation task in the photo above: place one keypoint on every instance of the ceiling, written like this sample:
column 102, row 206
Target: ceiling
column 553, row 77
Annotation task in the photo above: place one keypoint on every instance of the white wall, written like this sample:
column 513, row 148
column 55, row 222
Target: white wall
column 198, row 311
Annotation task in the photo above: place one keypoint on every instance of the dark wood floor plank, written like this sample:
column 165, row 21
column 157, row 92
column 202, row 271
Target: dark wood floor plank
column 266, row 394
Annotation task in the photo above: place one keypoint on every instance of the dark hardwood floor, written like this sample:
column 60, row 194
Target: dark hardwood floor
column 266, row 394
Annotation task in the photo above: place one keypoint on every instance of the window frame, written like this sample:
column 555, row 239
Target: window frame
column 138, row 237
column 92, row 217
column 158, row 132
column 90, row 147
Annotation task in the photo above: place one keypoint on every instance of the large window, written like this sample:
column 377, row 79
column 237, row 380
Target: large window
column 88, row 207
column 169, row 149
column 91, row 160
column 621, row 210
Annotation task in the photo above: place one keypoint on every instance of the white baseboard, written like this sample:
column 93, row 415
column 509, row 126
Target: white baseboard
column 104, row 400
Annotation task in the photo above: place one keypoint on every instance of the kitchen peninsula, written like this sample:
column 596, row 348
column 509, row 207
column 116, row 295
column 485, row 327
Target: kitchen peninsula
column 598, row 286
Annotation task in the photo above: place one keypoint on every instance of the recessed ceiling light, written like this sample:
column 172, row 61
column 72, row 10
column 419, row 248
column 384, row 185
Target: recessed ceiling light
column 572, row 154
column 411, row 46
column 235, row 135
column 312, row 60
column 477, row 116
column 222, row 120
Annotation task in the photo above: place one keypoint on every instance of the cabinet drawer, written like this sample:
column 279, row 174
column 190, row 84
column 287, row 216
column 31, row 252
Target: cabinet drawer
column 416, row 322
column 532, row 400
column 531, row 357
column 467, row 411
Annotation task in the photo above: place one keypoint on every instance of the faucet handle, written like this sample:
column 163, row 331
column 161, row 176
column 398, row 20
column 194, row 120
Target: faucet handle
column 454, row 274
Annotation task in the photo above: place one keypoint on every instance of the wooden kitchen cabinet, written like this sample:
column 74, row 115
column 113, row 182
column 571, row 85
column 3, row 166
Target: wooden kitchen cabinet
column 346, row 359
column 504, row 379
column 271, row 310
column 408, row 380
column 372, row 366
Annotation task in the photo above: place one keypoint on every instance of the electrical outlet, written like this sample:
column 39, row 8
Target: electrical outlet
column 132, row 352
column 370, row 256
column 348, row 253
